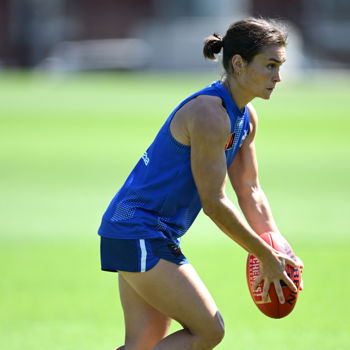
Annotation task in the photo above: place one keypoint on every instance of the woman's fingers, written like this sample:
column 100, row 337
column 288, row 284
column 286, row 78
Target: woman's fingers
column 283, row 276
column 278, row 287
column 257, row 281
column 286, row 279
column 266, row 289
column 295, row 262
column 279, row 291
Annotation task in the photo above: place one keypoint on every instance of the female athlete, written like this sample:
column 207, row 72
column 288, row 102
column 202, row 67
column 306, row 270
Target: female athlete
column 208, row 136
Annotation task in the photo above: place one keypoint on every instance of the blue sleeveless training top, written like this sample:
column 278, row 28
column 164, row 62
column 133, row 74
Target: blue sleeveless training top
column 160, row 198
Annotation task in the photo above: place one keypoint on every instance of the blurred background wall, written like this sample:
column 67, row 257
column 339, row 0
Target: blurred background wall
column 64, row 35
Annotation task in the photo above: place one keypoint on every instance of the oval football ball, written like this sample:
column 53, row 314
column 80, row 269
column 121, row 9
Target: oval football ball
column 272, row 306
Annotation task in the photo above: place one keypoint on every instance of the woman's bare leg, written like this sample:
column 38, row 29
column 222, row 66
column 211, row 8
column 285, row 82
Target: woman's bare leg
column 144, row 325
column 178, row 292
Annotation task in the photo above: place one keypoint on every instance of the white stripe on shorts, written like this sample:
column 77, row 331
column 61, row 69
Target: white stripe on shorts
column 143, row 255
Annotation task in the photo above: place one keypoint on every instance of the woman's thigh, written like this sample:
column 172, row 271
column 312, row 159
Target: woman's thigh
column 144, row 325
column 177, row 292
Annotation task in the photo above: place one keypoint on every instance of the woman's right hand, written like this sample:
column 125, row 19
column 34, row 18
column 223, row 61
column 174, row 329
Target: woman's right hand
column 272, row 270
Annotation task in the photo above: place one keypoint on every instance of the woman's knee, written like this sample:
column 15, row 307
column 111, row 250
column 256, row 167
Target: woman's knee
column 218, row 329
column 213, row 333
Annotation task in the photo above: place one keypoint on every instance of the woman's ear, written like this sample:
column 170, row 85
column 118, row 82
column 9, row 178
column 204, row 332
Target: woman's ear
column 238, row 64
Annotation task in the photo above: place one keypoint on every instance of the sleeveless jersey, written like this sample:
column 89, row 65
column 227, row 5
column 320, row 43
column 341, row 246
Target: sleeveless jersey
column 160, row 198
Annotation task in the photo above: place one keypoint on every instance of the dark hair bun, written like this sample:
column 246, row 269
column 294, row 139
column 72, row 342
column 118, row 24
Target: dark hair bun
column 212, row 46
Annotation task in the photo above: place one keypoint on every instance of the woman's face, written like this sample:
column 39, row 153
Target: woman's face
column 259, row 77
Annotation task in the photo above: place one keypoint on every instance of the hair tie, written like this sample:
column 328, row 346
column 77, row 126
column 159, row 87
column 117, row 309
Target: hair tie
column 217, row 36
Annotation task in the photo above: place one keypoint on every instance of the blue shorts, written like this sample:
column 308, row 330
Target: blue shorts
column 138, row 255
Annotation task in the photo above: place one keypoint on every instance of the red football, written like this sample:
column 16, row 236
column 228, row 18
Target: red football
column 272, row 306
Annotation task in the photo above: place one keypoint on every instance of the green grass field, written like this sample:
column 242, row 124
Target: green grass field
column 68, row 143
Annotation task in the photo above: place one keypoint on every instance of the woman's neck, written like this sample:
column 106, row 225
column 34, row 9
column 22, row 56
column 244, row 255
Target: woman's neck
column 236, row 91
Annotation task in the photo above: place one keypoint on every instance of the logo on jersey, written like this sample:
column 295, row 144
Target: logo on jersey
column 175, row 249
column 145, row 158
column 230, row 142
